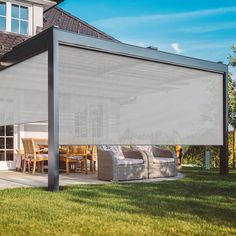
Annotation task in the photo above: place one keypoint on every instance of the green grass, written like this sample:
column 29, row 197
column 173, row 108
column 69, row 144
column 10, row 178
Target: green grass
column 202, row 203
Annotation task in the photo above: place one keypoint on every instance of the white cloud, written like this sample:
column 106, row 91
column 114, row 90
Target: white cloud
column 128, row 21
column 176, row 47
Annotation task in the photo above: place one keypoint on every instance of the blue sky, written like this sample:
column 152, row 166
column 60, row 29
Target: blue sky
column 197, row 28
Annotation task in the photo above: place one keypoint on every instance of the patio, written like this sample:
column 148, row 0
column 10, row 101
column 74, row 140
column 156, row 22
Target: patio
column 94, row 92
column 14, row 179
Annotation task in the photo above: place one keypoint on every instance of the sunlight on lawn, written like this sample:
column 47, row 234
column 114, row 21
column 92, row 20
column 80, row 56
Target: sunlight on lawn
column 203, row 203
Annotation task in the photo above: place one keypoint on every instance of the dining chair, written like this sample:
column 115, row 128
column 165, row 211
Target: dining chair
column 82, row 153
column 32, row 155
column 74, row 155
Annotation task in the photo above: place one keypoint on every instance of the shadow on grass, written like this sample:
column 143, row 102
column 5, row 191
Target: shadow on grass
column 202, row 194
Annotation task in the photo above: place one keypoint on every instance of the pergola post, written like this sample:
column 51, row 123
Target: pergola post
column 224, row 159
column 53, row 114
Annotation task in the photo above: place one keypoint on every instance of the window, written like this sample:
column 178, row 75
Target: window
column 14, row 18
column 3, row 14
column 19, row 19
column 6, row 143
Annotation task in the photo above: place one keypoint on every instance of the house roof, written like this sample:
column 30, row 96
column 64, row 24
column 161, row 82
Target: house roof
column 64, row 20
column 53, row 16
column 9, row 40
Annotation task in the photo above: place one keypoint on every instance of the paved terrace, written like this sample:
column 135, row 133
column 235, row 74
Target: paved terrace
column 13, row 179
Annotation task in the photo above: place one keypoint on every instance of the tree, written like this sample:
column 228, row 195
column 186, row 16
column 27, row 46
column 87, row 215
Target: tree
column 232, row 101
column 232, row 58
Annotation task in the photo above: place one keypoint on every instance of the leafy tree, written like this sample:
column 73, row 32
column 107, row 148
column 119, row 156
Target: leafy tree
column 232, row 101
column 195, row 154
column 232, row 58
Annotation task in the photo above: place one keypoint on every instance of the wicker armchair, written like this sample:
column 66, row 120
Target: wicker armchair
column 132, row 166
column 162, row 163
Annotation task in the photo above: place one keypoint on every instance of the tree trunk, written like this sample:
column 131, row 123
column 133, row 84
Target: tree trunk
column 213, row 161
column 234, row 142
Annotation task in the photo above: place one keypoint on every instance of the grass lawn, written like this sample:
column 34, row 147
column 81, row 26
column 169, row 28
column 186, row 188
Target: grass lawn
column 202, row 203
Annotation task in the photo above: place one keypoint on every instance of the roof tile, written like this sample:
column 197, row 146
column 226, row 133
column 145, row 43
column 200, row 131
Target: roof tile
column 64, row 20
column 53, row 16
column 9, row 40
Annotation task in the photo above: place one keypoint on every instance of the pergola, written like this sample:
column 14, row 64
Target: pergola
column 93, row 91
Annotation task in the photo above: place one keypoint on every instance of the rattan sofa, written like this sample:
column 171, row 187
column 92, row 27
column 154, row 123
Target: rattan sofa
column 132, row 166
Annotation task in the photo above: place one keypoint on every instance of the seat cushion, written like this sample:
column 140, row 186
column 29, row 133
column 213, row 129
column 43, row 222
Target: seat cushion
column 42, row 156
column 128, row 161
column 72, row 157
column 159, row 160
column 63, row 155
column 76, row 157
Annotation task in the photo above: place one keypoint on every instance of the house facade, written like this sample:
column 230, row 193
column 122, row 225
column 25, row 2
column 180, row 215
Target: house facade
column 20, row 20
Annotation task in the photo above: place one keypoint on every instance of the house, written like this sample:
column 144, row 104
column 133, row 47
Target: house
column 93, row 73
column 20, row 20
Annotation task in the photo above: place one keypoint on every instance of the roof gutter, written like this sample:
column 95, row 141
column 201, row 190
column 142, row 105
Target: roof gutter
column 57, row 3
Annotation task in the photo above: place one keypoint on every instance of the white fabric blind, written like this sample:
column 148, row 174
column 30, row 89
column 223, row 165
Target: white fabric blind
column 23, row 91
column 112, row 99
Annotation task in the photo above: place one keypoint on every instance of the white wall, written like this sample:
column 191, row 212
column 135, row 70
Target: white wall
column 37, row 17
column 34, row 130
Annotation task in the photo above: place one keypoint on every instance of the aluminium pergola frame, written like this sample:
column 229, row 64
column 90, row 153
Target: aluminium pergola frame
column 49, row 40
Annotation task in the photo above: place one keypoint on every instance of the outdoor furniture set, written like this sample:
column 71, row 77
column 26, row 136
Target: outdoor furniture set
column 73, row 155
column 116, row 163
column 35, row 154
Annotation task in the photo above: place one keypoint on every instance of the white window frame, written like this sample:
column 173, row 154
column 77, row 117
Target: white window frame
column 8, row 15
column 5, row 149
column 19, row 19
column 5, row 15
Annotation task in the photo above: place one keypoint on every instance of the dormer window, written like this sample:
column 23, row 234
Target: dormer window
column 22, row 16
column 19, row 19
column 3, row 16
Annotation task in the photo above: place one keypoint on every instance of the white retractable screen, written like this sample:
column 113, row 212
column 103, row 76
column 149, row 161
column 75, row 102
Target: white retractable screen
column 23, row 91
column 113, row 99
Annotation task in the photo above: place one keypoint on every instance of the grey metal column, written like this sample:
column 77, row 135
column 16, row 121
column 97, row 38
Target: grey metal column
column 224, row 159
column 53, row 114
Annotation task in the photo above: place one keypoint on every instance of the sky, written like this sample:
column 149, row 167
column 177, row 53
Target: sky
column 204, row 29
